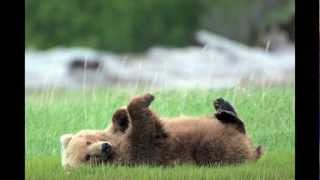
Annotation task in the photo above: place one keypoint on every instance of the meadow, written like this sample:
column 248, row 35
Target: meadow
column 268, row 114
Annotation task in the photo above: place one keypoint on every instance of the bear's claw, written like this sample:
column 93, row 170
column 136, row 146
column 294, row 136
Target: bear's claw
column 221, row 105
column 141, row 102
column 148, row 98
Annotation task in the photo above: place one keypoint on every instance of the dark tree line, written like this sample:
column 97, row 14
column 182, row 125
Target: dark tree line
column 134, row 25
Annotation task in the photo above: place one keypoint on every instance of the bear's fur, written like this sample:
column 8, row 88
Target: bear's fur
column 138, row 136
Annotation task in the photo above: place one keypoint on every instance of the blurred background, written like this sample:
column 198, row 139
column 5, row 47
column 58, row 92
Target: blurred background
column 160, row 43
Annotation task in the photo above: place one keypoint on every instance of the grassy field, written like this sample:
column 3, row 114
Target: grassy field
column 267, row 112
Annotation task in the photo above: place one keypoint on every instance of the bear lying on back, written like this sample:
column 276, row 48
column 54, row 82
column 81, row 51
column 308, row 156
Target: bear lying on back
column 138, row 136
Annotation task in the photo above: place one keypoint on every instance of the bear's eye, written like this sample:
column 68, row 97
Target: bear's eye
column 87, row 157
column 88, row 142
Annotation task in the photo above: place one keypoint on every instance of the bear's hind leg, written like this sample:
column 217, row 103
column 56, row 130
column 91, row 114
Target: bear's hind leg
column 227, row 114
column 220, row 104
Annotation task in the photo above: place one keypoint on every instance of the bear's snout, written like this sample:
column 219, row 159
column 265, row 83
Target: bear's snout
column 106, row 148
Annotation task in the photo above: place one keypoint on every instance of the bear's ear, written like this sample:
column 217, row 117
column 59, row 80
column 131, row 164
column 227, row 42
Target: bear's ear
column 65, row 139
column 120, row 120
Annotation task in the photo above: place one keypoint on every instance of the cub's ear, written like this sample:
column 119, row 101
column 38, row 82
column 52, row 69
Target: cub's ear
column 65, row 139
column 120, row 120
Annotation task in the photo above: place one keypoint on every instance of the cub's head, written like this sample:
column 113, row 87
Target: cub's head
column 94, row 147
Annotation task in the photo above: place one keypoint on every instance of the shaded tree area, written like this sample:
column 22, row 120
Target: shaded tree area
column 133, row 26
column 246, row 20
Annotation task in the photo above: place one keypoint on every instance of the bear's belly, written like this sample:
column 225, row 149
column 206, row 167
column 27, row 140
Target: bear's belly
column 205, row 141
column 185, row 136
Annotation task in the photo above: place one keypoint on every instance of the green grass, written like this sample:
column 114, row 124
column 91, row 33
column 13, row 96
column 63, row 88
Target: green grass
column 267, row 112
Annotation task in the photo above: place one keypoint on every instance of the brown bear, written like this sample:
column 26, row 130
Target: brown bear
column 138, row 136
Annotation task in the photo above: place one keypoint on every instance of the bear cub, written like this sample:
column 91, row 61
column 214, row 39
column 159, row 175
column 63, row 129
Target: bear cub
column 138, row 136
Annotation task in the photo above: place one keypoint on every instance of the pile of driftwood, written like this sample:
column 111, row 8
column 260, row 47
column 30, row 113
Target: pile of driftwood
column 217, row 63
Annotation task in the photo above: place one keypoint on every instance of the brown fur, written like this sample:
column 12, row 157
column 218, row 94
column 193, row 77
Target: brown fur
column 168, row 141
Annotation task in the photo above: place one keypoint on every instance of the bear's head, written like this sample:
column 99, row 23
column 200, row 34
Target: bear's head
column 94, row 147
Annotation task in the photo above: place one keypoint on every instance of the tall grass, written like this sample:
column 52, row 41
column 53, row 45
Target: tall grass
column 268, row 114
